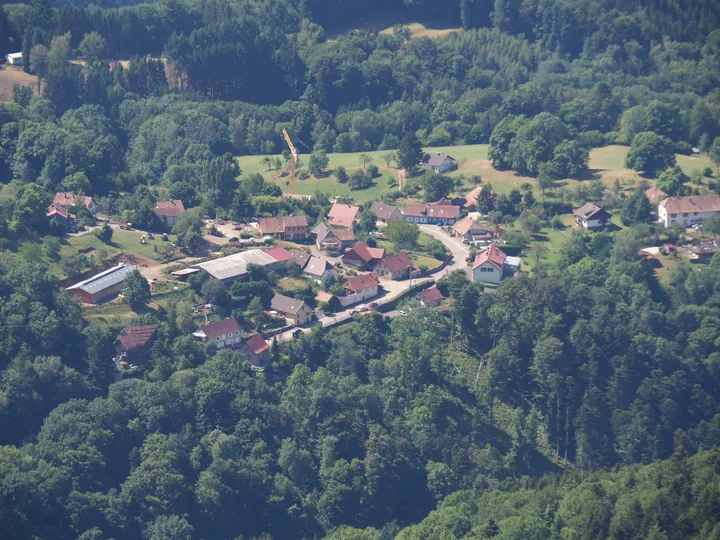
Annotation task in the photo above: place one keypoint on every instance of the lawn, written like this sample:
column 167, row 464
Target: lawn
column 11, row 75
column 606, row 164
column 117, row 311
column 419, row 258
column 122, row 242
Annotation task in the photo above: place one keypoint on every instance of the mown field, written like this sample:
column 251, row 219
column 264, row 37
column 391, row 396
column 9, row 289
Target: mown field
column 606, row 164
column 11, row 75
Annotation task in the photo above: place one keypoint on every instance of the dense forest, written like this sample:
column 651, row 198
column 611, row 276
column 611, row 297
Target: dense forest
column 582, row 401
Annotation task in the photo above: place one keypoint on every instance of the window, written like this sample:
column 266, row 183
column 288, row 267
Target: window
column 686, row 214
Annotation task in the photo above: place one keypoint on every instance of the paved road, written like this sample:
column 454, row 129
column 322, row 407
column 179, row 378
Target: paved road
column 393, row 289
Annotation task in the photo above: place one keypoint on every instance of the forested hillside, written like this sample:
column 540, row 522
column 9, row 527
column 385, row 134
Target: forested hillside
column 507, row 415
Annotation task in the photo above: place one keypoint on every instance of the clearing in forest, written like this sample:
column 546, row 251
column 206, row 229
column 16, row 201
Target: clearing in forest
column 11, row 75
column 606, row 164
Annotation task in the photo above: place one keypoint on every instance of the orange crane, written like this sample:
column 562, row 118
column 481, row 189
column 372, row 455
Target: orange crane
column 293, row 160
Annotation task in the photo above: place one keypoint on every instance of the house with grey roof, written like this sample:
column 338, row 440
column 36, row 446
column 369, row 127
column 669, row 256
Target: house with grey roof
column 439, row 162
column 295, row 311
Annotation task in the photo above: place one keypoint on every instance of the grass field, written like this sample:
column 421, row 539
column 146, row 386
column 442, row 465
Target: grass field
column 11, row 75
column 122, row 241
column 606, row 164
column 118, row 312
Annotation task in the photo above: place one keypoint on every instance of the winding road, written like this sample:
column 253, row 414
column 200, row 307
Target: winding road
column 393, row 289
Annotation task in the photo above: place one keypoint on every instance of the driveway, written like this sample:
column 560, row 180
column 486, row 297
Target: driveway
column 459, row 251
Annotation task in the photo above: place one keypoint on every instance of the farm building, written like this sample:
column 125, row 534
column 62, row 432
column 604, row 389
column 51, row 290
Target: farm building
column 437, row 214
column 102, row 285
column 235, row 266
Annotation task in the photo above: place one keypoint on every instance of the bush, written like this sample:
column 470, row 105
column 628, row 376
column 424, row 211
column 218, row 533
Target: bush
column 557, row 223
column 373, row 171
column 707, row 171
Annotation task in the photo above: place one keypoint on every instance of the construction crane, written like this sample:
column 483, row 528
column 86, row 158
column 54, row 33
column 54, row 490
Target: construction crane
column 293, row 160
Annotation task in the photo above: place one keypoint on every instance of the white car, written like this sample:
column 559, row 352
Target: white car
column 697, row 226
column 362, row 308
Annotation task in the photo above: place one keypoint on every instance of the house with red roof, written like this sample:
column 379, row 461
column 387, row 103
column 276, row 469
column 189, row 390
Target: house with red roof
column 286, row 227
column 359, row 288
column 256, row 350
column 225, row 334
column 492, row 265
column 333, row 239
column 655, row 195
column 60, row 215
column 134, row 343
column 431, row 297
column 169, row 211
column 363, row 256
column 66, row 200
column 398, row 266
column 343, row 215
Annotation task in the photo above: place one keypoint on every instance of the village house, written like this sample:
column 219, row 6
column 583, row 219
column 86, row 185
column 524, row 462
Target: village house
column 256, row 350
column 101, row 286
column 295, row 311
column 384, row 213
column 470, row 231
column 67, row 200
column 591, row 217
column 359, row 288
column 687, row 211
column 439, row 162
column 471, row 199
column 64, row 218
column 343, row 215
column 286, row 227
column 655, row 195
column 492, row 265
column 301, row 257
column 169, row 211
column 398, row 266
column 363, row 256
column 704, row 250
column 437, row 214
column 14, row 59
column 134, row 343
column 318, row 269
column 431, row 297
column 225, row 334
column 333, row 240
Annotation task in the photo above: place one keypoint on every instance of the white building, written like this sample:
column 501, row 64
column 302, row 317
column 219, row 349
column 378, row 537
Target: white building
column 14, row 59
column 224, row 334
column 358, row 289
column 592, row 217
column 492, row 265
column 686, row 211
column 439, row 162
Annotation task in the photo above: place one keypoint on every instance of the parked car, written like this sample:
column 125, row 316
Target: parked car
column 362, row 308
column 373, row 304
column 401, row 313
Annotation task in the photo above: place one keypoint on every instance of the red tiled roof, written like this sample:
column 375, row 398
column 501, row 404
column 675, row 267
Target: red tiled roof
column 492, row 254
column 171, row 208
column 367, row 253
column 466, row 224
column 70, row 199
column 653, row 194
column 361, row 282
column 279, row 254
column 343, row 234
column 134, row 337
column 59, row 211
column 277, row 225
column 257, row 344
column 343, row 214
column 695, row 203
column 219, row 328
column 430, row 295
column 397, row 262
